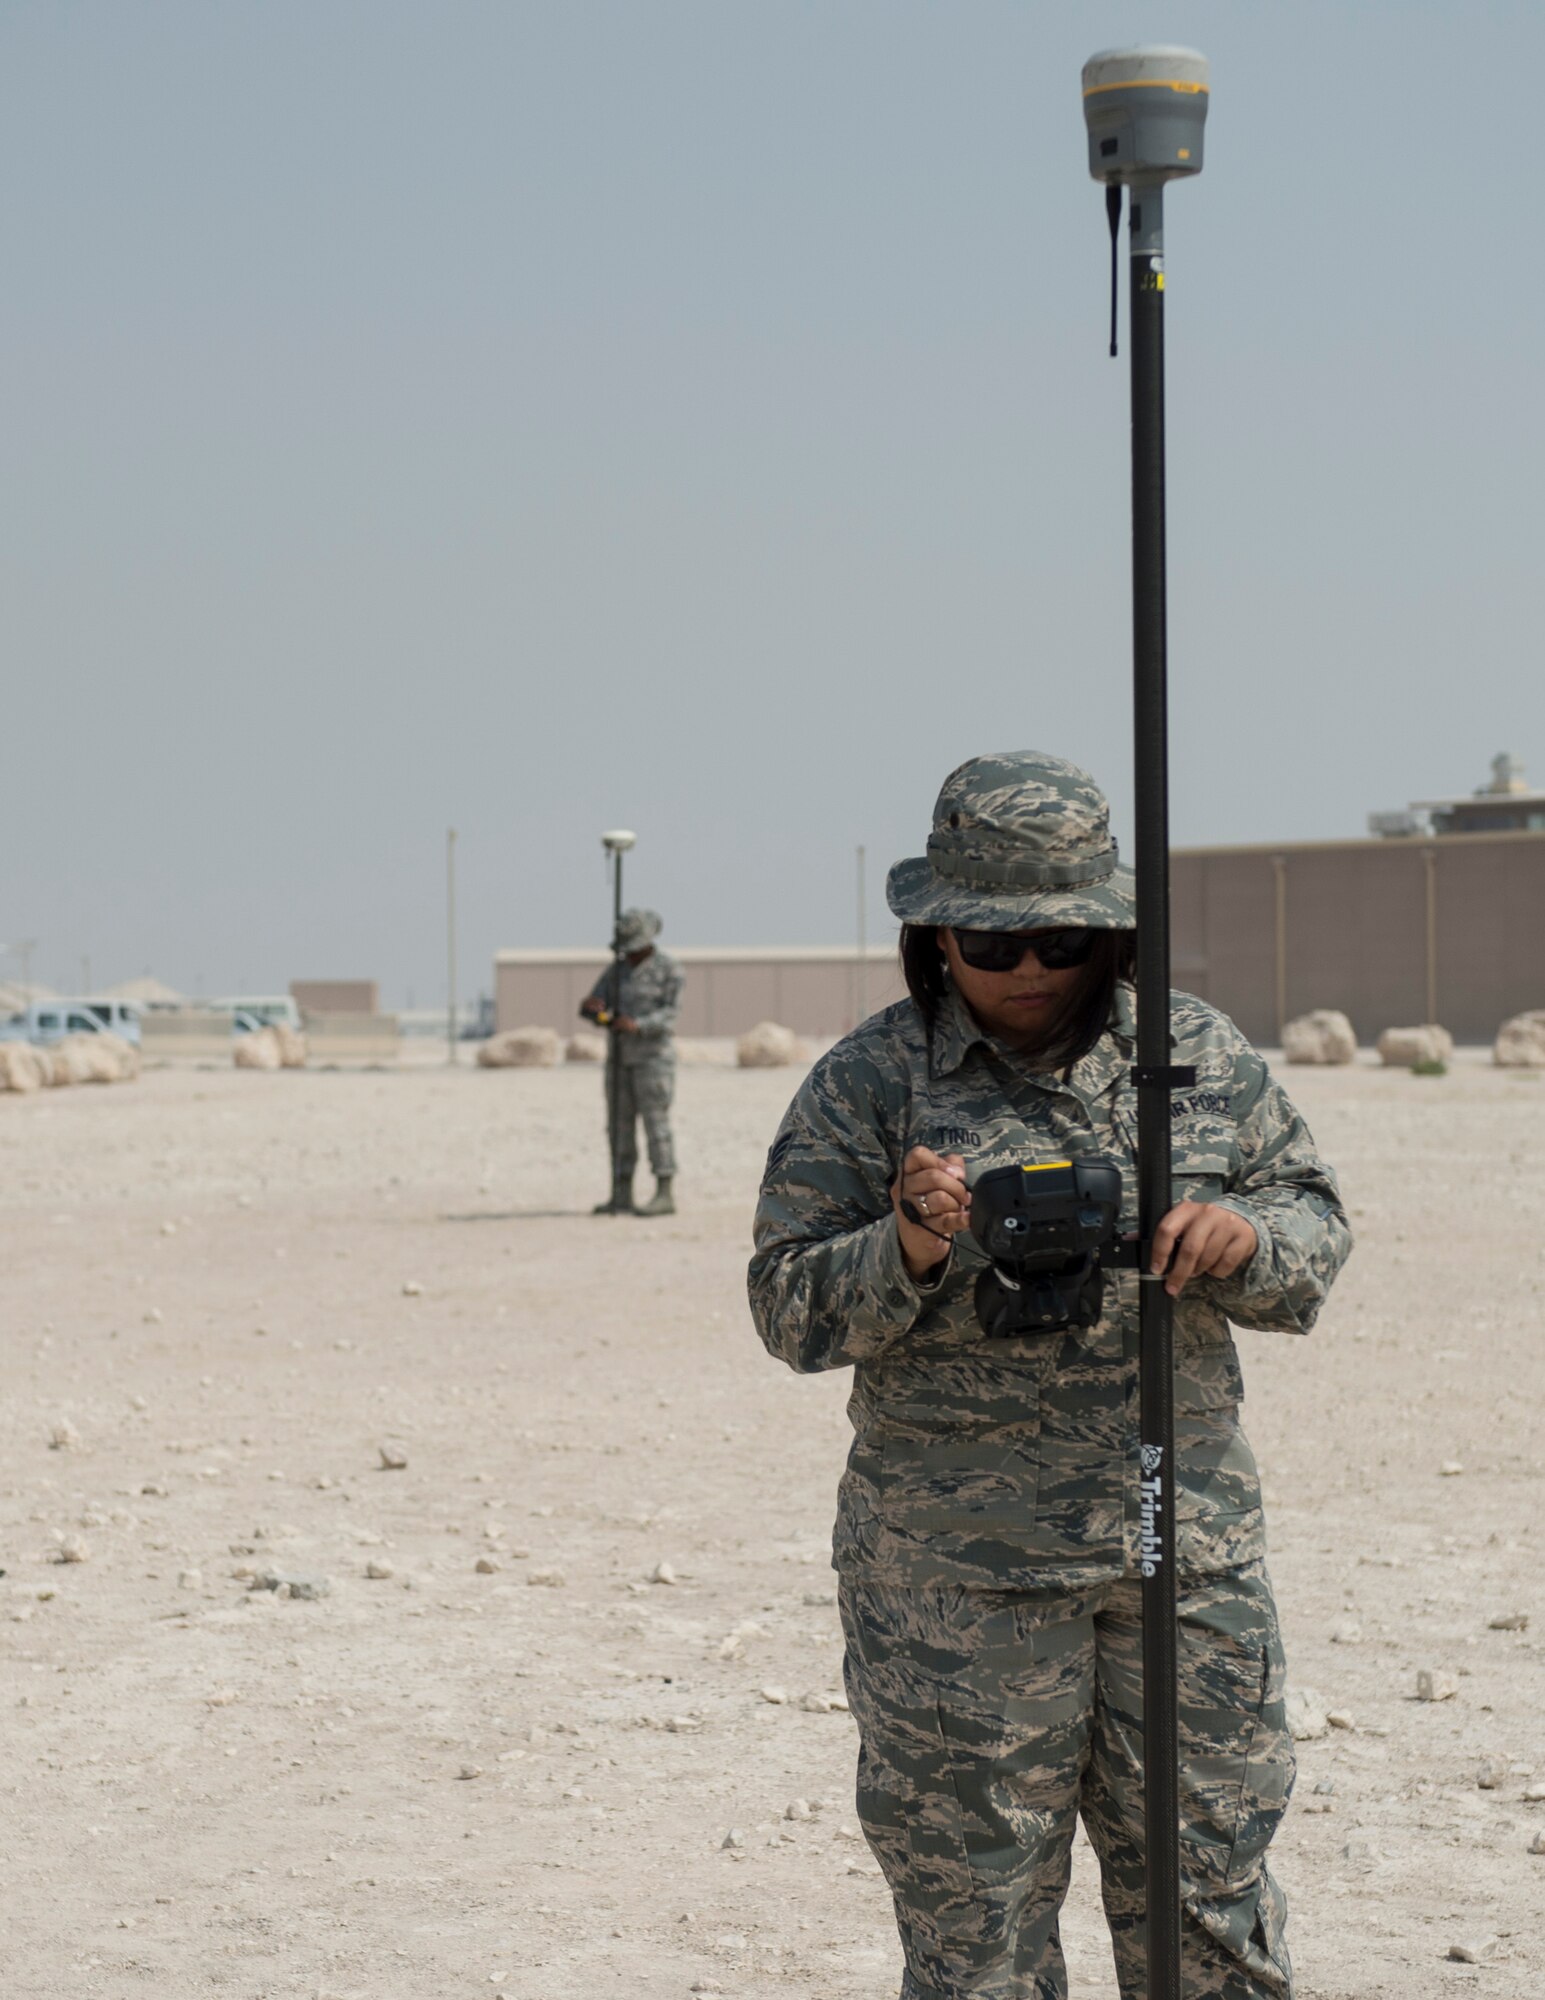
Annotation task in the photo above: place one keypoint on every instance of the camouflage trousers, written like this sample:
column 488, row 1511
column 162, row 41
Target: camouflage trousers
column 990, row 1721
column 644, row 1092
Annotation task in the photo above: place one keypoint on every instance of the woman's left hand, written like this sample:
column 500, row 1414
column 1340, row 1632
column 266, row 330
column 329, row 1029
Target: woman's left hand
column 1196, row 1240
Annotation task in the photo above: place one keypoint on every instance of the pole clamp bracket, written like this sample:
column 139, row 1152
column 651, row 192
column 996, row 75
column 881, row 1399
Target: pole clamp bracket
column 1164, row 1076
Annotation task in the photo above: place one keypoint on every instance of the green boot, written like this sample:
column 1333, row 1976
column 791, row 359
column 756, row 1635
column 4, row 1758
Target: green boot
column 664, row 1202
column 621, row 1202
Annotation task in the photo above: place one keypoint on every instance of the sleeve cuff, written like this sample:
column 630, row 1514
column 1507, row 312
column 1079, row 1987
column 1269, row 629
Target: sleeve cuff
column 888, row 1299
column 1258, row 1274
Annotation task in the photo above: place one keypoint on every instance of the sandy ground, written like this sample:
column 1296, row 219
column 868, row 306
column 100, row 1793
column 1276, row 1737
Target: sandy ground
column 235, row 1288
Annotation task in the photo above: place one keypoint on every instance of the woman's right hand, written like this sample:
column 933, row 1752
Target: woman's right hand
column 933, row 1186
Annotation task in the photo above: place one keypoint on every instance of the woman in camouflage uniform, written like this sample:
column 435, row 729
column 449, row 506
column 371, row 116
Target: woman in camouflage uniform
column 987, row 1530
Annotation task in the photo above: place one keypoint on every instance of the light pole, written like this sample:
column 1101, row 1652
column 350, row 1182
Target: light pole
column 23, row 952
column 863, row 945
column 1145, row 109
column 450, row 944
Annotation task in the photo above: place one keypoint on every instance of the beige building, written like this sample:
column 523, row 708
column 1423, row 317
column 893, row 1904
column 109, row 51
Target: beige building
column 1392, row 931
column 336, row 996
column 1440, row 916
column 815, row 989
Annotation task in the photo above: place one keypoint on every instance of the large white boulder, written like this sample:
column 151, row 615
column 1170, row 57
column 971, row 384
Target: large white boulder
column 23, row 1067
column 292, row 1045
column 257, row 1049
column 1402, row 1048
column 1520, row 1043
column 586, row 1046
column 99, row 1058
column 1325, row 1036
column 768, row 1046
column 522, row 1048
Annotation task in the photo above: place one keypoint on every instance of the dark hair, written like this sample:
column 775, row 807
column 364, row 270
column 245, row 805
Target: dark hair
column 1082, row 1022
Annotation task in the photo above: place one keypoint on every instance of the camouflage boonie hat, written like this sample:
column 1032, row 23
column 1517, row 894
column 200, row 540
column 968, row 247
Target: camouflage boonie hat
column 636, row 928
column 1020, row 841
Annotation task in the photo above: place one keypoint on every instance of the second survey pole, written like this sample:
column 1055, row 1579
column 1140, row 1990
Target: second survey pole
column 1145, row 109
column 617, row 843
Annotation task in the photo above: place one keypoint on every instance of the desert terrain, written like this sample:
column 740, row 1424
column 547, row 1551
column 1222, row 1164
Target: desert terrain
column 546, row 1708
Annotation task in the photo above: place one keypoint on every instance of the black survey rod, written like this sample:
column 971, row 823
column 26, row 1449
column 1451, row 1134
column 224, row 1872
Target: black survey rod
column 614, row 1041
column 1155, row 1079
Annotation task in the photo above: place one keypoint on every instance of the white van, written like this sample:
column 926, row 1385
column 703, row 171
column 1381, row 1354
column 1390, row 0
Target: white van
column 259, row 1010
column 51, row 1020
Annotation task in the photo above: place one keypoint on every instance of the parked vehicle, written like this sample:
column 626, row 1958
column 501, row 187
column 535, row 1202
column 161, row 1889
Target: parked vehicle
column 258, row 1010
column 51, row 1020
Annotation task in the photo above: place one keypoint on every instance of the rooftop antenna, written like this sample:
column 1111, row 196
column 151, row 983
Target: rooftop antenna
column 1145, row 109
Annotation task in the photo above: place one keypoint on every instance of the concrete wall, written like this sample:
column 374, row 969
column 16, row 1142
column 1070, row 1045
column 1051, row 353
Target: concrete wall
column 351, row 1036
column 810, row 989
column 190, row 1031
column 1390, row 931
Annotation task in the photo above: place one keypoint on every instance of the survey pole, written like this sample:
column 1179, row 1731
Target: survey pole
column 1145, row 109
column 616, row 843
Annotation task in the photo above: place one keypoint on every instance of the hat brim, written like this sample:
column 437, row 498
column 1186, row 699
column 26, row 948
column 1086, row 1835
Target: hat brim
column 918, row 896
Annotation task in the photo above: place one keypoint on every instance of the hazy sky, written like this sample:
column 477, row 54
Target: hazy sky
column 695, row 415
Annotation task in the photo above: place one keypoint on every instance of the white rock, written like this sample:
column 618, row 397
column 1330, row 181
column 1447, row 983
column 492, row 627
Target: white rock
column 292, row 1045
column 1491, row 1774
column 522, row 1048
column 190, row 1579
column 486, row 1566
column 1306, row 1717
column 776, row 1695
column 1340, row 1718
column 767, row 1046
column 1534, row 1794
column 1475, row 1952
column 734, row 1838
column 64, row 1436
column 1450, row 1469
column 94, row 1059
column 1520, row 1042
column 546, row 1579
column 585, row 1047
column 24, row 1068
column 1346, row 1632
column 257, row 1049
column 797, row 1809
column 72, row 1550
column 1537, row 1845
column 1431, row 1686
column 1400, row 1048
column 412, row 1289
column 378, row 1571
column 393, row 1458
column 471, row 1771
column 1509, row 1621
column 662, row 1573
column 1325, row 1036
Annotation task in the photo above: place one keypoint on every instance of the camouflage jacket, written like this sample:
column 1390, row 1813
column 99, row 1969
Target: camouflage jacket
column 651, row 994
column 1012, row 1463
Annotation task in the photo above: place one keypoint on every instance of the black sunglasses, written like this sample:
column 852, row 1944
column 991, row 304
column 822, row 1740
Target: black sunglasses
column 1002, row 951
